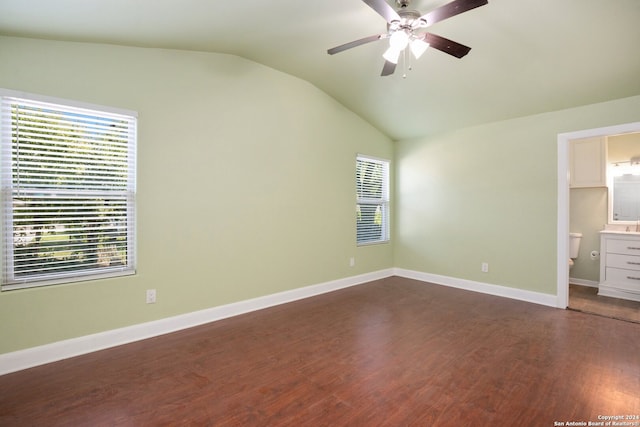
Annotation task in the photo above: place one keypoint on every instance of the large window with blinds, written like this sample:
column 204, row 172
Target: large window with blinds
column 68, row 191
column 372, row 205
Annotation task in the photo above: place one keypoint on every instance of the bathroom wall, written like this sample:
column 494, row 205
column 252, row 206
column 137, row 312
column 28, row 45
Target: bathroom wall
column 623, row 147
column 588, row 214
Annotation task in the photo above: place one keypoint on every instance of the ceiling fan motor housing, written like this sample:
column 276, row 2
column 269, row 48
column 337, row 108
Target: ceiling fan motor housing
column 410, row 20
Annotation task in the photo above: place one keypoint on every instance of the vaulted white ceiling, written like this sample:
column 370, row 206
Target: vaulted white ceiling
column 527, row 56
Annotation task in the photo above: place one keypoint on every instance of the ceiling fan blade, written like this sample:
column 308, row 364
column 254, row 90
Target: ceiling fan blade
column 383, row 9
column 447, row 46
column 355, row 43
column 388, row 69
column 454, row 8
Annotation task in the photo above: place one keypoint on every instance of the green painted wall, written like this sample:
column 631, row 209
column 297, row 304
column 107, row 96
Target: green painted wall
column 246, row 184
column 246, row 188
column 489, row 194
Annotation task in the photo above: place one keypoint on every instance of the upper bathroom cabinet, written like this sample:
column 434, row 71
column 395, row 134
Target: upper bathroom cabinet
column 588, row 162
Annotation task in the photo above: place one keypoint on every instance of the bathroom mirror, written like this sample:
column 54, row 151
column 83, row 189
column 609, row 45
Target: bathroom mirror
column 623, row 178
column 625, row 200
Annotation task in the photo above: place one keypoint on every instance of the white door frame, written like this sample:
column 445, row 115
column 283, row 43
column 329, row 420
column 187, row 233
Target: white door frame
column 562, row 296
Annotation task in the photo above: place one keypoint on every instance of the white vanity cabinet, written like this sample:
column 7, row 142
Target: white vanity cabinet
column 620, row 265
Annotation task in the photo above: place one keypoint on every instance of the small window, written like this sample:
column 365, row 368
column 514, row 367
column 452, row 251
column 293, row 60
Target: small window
column 372, row 205
column 68, row 192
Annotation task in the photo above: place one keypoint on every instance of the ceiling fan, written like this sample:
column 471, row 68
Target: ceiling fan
column 405, row 28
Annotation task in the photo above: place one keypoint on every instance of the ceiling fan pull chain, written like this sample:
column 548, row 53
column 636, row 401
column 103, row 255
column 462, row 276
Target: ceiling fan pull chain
column 404, row 64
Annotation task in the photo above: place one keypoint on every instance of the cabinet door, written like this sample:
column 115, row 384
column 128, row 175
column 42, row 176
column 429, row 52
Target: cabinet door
column 588, row 162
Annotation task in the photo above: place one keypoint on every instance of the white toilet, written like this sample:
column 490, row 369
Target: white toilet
column 574, row 247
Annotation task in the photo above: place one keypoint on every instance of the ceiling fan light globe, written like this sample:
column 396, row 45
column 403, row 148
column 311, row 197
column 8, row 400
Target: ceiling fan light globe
column 399, row 40
column 392, row 55
column 418, row 47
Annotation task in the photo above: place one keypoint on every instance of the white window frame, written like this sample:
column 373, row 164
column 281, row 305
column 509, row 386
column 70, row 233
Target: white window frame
column 112, row 259
column 381, row 201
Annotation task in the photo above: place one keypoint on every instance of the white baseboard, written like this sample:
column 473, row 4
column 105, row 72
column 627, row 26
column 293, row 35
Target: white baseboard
column 30, row 357
column 583, row 282
column 485, row 288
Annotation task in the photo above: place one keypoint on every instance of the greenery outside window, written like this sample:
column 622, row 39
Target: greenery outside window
column 372, row 205
column 68, row 191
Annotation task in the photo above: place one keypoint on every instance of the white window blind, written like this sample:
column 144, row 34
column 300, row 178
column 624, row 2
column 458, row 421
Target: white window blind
column 68, row 193
column 372, row 208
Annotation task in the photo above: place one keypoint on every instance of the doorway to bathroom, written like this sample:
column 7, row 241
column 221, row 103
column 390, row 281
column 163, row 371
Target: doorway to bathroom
column 586, row 208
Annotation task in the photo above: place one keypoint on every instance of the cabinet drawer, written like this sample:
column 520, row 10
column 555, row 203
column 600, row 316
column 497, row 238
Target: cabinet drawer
column 623, row 279
column 628, row 262
column 628, row 247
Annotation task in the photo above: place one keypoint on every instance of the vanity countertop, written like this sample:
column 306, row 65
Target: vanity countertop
column 622, row 229
column 621, row 232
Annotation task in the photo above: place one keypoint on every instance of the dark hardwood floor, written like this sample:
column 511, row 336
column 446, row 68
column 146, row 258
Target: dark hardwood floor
column 393, row 352
column 586, row 299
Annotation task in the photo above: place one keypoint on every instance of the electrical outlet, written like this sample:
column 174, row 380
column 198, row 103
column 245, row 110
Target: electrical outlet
column 352, row 261
column 485, row 267
column 151, row 296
